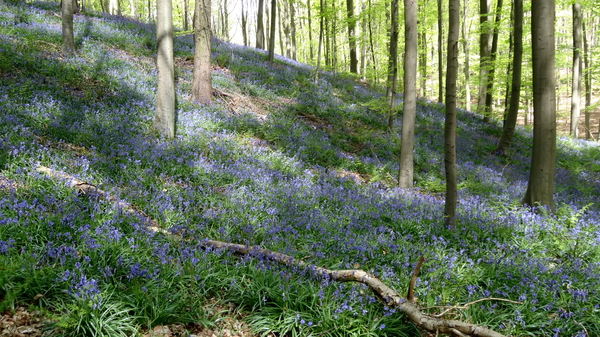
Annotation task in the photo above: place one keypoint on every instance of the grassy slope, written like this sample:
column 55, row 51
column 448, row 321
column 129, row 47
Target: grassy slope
column 297, row 167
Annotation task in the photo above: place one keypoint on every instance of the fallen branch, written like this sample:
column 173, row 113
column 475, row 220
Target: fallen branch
column 387, row 295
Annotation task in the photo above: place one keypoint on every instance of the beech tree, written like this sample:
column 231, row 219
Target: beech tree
column 485, row 37
column 260, row 30
column 68, row 39
column 352, row 36
column 393, row 63
column 405, row 175
column 576, row 79
column 272, row 31
column 510, row 121
column 540, row 187
column 164, row 119
column 201, row 84
column 450, row 120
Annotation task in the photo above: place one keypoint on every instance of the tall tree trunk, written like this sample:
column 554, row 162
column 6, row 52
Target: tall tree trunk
column 149, row 10
column 321, row 32
column 334, row 34
column 492, row 64
column 450, row 120
column 201, row 84
column 164, row 119
column 423, row 50
column 484, row 55
column 465, row 44
column 440, row 53
column 260, row 30
column 283, row 31
column 272, row 31
column 540, row 188
column 405, row 175
column 310, row 39
column 185, row 15
column 293, row 28
column 371, row 43
column 513, row 110
column 393, row 63
column 68, row 39
column 588, row 83
column 511, row 45
column 352, row 36
column 132, row 8
column 363, row 45
column 244, row 24
column 576, row 86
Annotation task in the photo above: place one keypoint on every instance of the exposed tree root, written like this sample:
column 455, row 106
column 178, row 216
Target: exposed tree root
column 387, row 295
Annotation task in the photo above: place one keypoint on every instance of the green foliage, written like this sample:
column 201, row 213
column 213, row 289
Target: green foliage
column 111, row 319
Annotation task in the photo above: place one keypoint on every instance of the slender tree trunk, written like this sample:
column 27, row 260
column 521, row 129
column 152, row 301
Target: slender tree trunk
column 363, row 46
column 393, row 63
column 492, row 64
column 293, row 28
column 440, row 53
column 244, row 24
column 185, row 15
column 283, row 31
column 372, row 44
column 423, row 54
column 465, row 44
column 132, row 8
column 149, row 11
column 450, row 120
column 310, row 38
column 321, row 29
column 260, row 30
column 513, row 110
column 588, row 83
column 272, row 31
column 334, row 48
column 164, row 119
column 352, row 36
column 201, row 84
column 576, row 86
column 405, row 175
column 484, row 54
column 68, row 39
column 509, row 65
column 540, row 188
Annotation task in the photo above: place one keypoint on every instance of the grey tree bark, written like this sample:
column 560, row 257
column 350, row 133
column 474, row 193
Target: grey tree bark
column 352, row 36
column 260, row 30
column 244, row 24
column 201, row 84
column 588, row 83
column 68, row 39
column 540, row 187
column 485, row 41
column 184, row 14
column 576, row 85
column 405, row 175
column 465, row 45
column 450, row 120
column 272, row 31
column 310, row 38
column 393, row 63
column 492, row 63
column 164, row 119
column 513, row 109
column 440, row 53
column 293, row 28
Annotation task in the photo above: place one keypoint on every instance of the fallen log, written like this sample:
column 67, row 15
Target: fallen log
column 386, row 294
